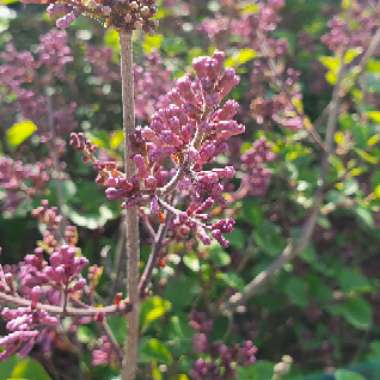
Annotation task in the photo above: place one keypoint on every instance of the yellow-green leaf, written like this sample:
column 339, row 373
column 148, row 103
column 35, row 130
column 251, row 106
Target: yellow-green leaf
column 116, row 138
column 351, row 54
column 373, row 140
column 152, row 42
column 248, row 9
column 111, row 40
column 376, row 192
column 373, row 66
column 240, row 58
column 19, row 132
column 374, row 116
column 152, row 309
column 367, row 157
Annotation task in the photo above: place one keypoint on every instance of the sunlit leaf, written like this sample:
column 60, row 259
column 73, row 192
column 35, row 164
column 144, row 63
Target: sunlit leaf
column 240, row 58
column 152, row 309
column 152, row 42
column 17, row 369
column 153, row 349
column 19, row 132
column 191, row 260
column 374, row 116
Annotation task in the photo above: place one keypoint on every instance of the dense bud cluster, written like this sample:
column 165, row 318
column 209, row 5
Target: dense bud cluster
column 185, row 135
column 104, row 352
column 352, row 29
column 26, row 327
column 28, row 75
column 20, row 181
column 218, row 360
column 123, row 14
column 50, row 275
column 256, row 175
column 275, row 92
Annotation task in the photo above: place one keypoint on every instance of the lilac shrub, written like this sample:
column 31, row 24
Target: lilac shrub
column 218, row 360
column 29, row 75
column 21, row 181
column 183, row 137
column 125, row 15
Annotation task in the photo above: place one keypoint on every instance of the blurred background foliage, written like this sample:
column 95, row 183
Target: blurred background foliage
column 323, row 309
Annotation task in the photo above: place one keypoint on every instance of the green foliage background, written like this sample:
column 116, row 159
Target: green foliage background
column 322, row 309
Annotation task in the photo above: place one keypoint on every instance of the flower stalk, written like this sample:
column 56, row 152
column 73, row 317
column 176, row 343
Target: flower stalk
column 132, row 214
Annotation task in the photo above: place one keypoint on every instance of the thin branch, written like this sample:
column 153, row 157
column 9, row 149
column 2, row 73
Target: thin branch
column 295, row 247
column 132, row 218
column 154, row 255
column 123, row 308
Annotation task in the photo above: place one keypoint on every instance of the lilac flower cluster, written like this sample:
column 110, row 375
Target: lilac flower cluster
column 100, row 59
column 353, row 28
column 275, row 92
column 103, row 353
column 256, row 175
column 51, row 275
column 20, row 181
column 218, row 361
column 124, row 14
column 26, row 327
column 183, row 137
column 27, row 76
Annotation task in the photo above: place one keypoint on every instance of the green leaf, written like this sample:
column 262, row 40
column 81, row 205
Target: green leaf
column 342, row 374
column 351, row 54
column 236, row 238
column 28, row 369
column 116, row 139
column 111, row 40
column 153, row 349
column 231, row 279
column 364, row 215
column 351, row 280
column 357, row 312
column 191, row 260
column 373, row 66
column 249, row 9
column 240, row 58
column 19, row 132
column 152, row 42
column 181, row 291
column 152, row 309
column 261, row 370
column 218, row 256
column 92, row 221
column 117, row 325
column 333, row 66
column 8, row 2
column 365, row 156
column 374, row 116
column 297, row 291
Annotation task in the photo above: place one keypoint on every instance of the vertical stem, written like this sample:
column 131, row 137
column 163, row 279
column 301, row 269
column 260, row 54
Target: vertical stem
column 132, row 216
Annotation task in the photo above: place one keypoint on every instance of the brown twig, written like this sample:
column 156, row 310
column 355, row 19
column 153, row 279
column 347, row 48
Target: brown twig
column 123, row 308
column 132, row 218
column 152, row 260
